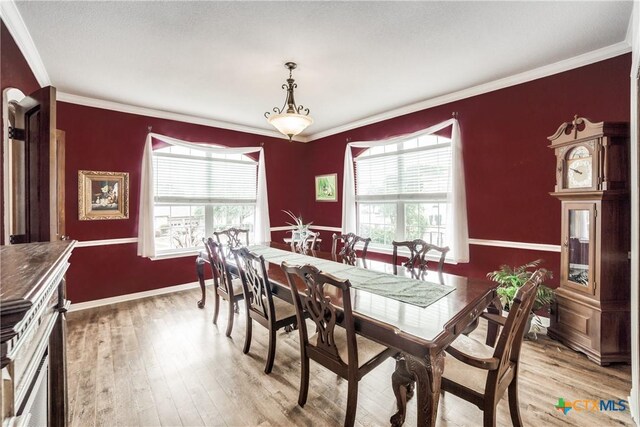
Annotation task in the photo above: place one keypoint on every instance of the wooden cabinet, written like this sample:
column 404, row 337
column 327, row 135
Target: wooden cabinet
column 591, row 313
column 33, row 303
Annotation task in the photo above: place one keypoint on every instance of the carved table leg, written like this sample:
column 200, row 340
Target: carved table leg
column 402, row 383
column 200, row 272
column 428, row 375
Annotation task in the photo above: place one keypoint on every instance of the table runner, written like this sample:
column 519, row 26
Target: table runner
column 405, row 289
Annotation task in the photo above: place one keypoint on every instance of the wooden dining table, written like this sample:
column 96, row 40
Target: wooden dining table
column 420, row 334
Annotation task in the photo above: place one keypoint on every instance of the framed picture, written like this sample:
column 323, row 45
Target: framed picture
column 103, row 195
column 327, row 188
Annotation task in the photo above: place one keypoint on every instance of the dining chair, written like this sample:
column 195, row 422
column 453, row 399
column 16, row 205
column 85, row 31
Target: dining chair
column 335, row 344
column 348, row 252
column 417, row 262
column 272, row 313
column 306, row 243
column 230, row 239
column 481, row 374
column 225, row 286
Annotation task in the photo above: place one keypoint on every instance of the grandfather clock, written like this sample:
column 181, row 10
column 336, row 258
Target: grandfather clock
column 591, row 313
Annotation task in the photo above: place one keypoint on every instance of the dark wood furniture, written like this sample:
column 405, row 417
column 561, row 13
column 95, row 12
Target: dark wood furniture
column 417, row 262
column 591, row 313
column 227, row 239
column 225, row 286
column 335, row 344
column 481, row 374
column 232, row 238
column 271, row 313
column 33, row 326
column 421, row 334
column 348, row 251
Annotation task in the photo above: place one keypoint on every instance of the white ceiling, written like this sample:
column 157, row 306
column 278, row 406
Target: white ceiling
column 224, row 60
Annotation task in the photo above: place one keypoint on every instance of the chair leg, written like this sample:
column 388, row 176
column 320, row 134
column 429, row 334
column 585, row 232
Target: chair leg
column 304, row 380
column 216, row 307
column 514, row 406
column 247, row 336
column 490, row 415
column 230, row 319
column 271, row 355
column 352, row 403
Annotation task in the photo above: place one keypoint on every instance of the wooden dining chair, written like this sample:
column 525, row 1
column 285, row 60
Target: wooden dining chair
column 306, row 243
column 335, row 344
column 348, row 251
column 481, row 374
column 417, row 263
column 272, row 313
column 232, row 238
column 225, row 286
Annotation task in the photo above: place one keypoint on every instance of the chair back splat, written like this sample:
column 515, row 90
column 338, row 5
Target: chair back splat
column 417, row 263
column 232, row 238
column 348, row 252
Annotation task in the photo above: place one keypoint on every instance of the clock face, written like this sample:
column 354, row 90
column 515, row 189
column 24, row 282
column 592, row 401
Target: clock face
column 579, row 168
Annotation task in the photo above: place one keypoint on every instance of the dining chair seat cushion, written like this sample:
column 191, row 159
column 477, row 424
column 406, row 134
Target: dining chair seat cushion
column 237, row 287
column 462, row 373
column 367, row 349
column 283, row 309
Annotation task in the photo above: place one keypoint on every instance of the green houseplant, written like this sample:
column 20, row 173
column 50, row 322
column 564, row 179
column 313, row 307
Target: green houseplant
column 300, row 228
column 510, row 279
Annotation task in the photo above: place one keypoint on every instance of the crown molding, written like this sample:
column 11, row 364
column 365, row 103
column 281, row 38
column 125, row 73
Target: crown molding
column 537, row 73
column 18, row 29
column 161, row 114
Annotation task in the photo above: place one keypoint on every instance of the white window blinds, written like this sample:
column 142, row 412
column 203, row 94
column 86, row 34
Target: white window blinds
column 416, row 174
column 203, row 179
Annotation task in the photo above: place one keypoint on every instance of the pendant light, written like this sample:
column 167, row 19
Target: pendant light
column 291, row 119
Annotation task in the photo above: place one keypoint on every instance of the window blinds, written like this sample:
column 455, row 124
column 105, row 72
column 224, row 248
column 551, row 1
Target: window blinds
column 422, row 174
column 200, row 180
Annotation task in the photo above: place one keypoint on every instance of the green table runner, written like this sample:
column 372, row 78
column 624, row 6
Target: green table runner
column 412, row 291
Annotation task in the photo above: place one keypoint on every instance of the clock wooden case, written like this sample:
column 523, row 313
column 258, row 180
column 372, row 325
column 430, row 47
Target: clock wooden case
column 591, row 313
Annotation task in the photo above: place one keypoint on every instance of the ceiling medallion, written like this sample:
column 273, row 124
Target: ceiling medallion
column 290, row 119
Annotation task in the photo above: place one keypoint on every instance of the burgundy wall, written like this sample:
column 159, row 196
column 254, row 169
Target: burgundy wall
column 508, row 168
column 14, row 73
column 105, row 140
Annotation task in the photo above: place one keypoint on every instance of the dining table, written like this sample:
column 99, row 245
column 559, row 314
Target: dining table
column 418, row 318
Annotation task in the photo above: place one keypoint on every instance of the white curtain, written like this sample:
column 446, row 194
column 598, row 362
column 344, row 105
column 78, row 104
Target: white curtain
column 457, row 233
column 146, row 240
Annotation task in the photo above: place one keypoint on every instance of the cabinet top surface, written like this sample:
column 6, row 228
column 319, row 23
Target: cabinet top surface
column 24, row 268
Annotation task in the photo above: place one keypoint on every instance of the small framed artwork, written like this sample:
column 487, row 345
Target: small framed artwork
column 327, row 188
column 103, row 195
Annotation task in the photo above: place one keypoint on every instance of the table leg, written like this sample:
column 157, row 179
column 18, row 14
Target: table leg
column 495, row 307
column 428, row 376
column 200, row 273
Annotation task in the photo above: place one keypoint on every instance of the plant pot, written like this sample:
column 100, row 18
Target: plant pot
column 531, row 331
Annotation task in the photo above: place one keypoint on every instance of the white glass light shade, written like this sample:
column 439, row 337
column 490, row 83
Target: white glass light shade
column 290, row 124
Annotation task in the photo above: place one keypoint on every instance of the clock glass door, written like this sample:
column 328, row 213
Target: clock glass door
column 578, row 246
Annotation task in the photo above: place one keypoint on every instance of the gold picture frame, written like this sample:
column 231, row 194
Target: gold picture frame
column 327, row 188
column 103, row 195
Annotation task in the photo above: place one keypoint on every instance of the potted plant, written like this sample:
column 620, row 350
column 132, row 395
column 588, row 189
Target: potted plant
column 510, row 279
column 300, row 229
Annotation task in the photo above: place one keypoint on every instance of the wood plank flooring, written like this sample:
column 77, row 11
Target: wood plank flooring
column 161, row 362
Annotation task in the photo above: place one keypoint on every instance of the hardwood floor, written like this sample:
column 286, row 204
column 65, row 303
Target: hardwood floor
column 161, row 361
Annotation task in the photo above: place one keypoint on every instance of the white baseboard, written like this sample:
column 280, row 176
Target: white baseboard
column 129, row 297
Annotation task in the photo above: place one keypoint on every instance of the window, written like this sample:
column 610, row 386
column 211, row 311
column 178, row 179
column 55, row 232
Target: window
column 402, row 191
column 197, row 193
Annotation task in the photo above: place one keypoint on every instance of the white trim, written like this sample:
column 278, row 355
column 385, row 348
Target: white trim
column 18, row 29
column 516, row 245
column 282, row 228
column 168, row 115
column 176, row 254
column 325, row 228
column 106, row 242
column 9, row 94
column 611, row 51
column 130, row 297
